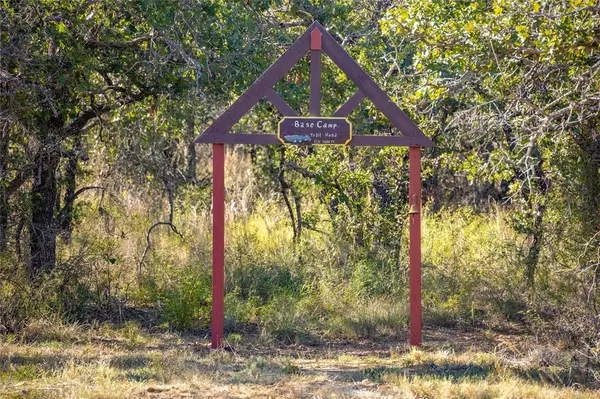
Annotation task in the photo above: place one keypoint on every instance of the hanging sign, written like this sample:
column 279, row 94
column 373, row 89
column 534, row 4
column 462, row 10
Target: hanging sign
column 314, row 130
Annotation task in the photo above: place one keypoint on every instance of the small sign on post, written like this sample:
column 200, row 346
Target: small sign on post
column 314, row 130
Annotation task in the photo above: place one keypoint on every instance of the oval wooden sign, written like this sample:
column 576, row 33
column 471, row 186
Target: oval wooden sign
column 314, row 130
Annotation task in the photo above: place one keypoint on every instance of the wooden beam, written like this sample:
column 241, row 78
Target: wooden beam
column 414, row 252
column 315, row 72
column 364, row 82
column 279, row 103
column 218, row 249
column 259, row 88
column 350, row 105
column 268, row 138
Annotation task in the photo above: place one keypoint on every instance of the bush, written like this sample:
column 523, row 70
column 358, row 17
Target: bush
column 471, row 268
column 240, row 312
column 63, row 293
column 261, row 281
column 186, row 302
column 369, row 318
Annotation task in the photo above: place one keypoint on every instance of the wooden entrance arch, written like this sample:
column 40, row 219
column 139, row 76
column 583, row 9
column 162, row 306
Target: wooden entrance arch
column 317, row 40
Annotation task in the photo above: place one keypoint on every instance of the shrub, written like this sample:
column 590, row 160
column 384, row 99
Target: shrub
column 187, row 301
column 240, row 312
column 290, row 319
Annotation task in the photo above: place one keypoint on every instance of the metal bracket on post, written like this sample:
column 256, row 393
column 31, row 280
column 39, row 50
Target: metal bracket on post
column 414, row 208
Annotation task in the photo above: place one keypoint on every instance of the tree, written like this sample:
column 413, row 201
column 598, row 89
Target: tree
column 67, row 67
column 506, row 86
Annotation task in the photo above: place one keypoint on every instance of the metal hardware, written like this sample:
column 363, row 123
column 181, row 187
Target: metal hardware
column 413, row 210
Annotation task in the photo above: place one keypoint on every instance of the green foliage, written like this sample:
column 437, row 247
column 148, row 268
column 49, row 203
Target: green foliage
column 291, row 368
column 369, row 318
column 241, row 311
column 62, row 294
column 187, row 302
column 132, row 332
column 234, row 339
column 469, row 264
column 290, row 319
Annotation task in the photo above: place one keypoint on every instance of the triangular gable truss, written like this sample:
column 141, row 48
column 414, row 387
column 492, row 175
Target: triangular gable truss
column 315, row 39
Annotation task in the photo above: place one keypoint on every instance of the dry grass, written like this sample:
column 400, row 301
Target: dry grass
column 106, row 362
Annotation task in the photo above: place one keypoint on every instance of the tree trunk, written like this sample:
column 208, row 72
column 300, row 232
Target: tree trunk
column 588, row 140
column 191, row 151
column 284, row 187
column 70, row 181
column 4, row 209
column 542, row 183
column 535, row 247
column 42, row 228
column 4, row 212
column 18, row 233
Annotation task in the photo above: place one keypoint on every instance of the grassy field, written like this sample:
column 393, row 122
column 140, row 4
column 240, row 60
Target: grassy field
column 102, row 361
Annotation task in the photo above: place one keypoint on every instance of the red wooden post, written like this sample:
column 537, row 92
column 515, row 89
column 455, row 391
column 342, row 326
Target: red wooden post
column 414, row 193
column 315, row 72
column 218, row 276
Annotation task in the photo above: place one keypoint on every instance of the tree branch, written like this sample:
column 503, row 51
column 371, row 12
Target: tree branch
column 22, row 176
column 284, row 187
column 94, row 112
column 72, row 198
column 95, row 44
column 149, row 245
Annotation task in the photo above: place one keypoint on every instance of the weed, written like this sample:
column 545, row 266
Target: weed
column 52, row 329
column 234, row 339
column 178, row 368
column 187, row 305
column 133, row 333
column 291, row 368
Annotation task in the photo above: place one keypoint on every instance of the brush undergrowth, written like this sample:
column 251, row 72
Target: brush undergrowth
column 310, row 290
column 321, row 286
